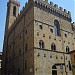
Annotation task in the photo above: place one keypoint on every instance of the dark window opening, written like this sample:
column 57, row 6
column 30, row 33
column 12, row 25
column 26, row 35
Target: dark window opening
column 56, row 57
column 54, row 67
column 18, row 71
column 26, row 31
column 74, row 57
column 37, row 33
column 50, row 56
column 67, row 49
column 44, row 55
column 38, row 54
column 41, row 44
column 53, row 47
column 20, row 51
column 69, row 63
column 54, row 72
column 14, row 11
column 20, row 36
column 61, row 57
column 25, row 65
column 26, row 47
column 40, row 26
column 65, row 35
column 43, row 35
column 57, row 28
column 66, row 58
column 51, row 30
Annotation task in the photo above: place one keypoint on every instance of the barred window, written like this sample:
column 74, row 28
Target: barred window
column 67, row 49
column 41, row 44
column 53, row 47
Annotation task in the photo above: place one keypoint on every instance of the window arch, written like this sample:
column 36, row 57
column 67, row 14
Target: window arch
column 14, row 11
column 67, row 49
column 54, row 67
column 57, row 28
column 41, row 44
column 53, row 47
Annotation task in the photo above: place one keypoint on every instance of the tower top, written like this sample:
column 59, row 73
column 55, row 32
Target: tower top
column 12, row 11
column 13, row 1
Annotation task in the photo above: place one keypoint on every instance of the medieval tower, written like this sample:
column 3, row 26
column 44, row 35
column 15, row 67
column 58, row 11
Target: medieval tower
column 37, row 40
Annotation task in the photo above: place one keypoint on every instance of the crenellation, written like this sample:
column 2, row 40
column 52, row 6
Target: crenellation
column 21, row 12
column 65, row 11
column 49, row 7
column 60, row 8
column 51, row 3
column 73, row 28
column 69, row 13
column 15, row 2
column 56, row 6
column 73, row 24
column 26, row 4
column 23, row 8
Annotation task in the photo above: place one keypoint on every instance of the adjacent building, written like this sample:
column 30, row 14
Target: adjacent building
column 72, row 53
column 73, row 61
column 0, row 61
column 37, row 40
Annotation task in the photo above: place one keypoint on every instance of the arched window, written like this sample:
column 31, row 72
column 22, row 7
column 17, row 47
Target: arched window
column 41, row 44
column 40, row 26
column 53, row 47
column 57, row 28
column 14, row 11
column 67, row 49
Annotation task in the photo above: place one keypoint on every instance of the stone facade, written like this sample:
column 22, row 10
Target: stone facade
column 38, row 40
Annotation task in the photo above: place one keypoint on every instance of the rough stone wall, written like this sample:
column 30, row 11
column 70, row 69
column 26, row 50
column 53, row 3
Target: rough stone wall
column 20, row 35
column 43, row 65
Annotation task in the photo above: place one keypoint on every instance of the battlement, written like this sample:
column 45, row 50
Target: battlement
column 54, row 9
column 47, row 7
column 73, row 26
column 14, row 2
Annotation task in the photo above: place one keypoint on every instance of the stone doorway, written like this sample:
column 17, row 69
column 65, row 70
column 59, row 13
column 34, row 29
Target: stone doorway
column 54, row 70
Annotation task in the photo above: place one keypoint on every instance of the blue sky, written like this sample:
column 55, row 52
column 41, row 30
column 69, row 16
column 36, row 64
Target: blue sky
column 67, row 4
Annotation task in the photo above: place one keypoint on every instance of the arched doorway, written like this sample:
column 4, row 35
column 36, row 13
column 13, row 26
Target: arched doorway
column 54, row 70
